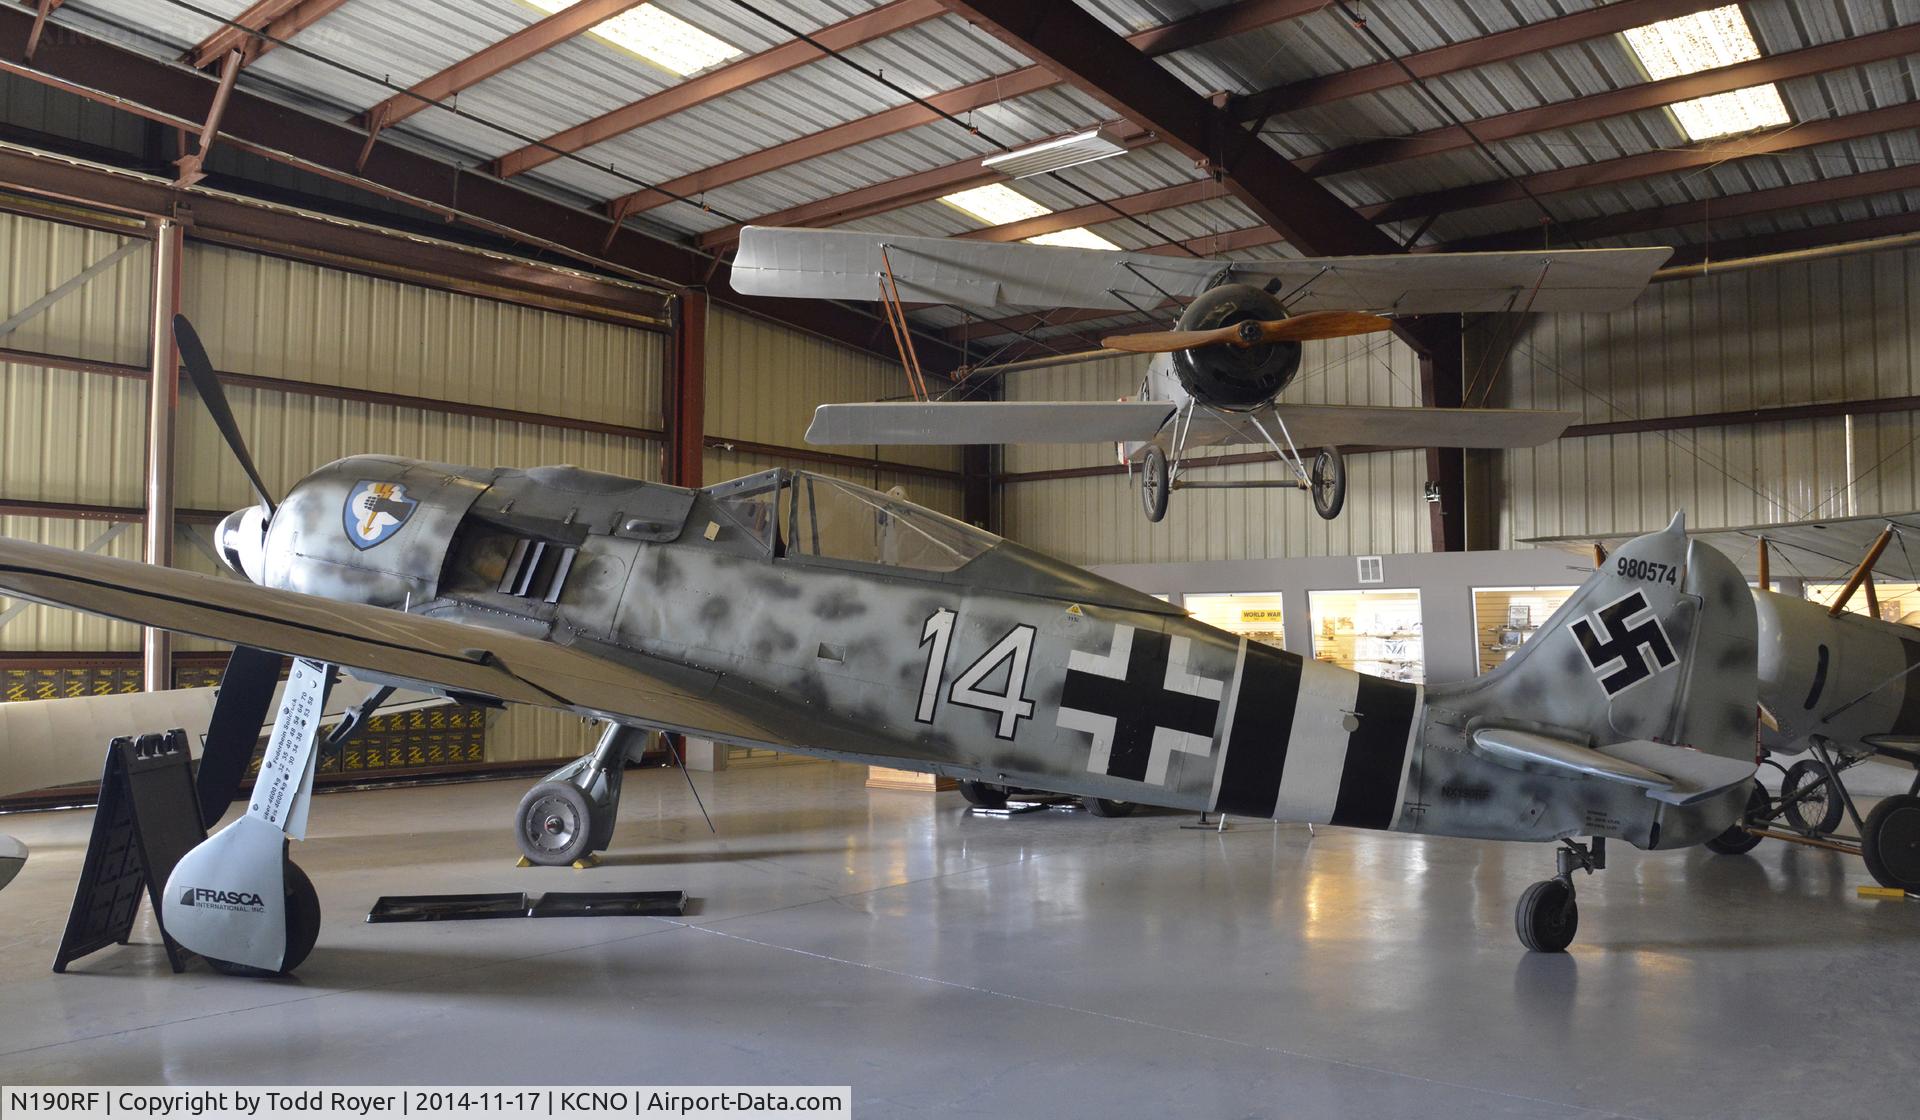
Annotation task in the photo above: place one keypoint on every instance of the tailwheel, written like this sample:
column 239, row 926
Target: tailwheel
column 1547, row 916
column 303, row 928
column 1328, row 482
column 1890, row 843
column 1737, row 840
column 554, row 824
column 1811, row 798
column 1156, row 483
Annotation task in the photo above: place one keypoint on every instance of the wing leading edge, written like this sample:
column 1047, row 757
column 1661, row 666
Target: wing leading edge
column 430, row 653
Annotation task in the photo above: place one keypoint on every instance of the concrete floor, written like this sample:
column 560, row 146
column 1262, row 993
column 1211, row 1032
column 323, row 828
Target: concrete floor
column 1051, row 963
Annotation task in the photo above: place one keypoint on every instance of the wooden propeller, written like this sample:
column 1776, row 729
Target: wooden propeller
column 1295, row 328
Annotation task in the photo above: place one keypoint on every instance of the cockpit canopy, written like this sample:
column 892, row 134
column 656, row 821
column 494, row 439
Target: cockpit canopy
column 805, row 515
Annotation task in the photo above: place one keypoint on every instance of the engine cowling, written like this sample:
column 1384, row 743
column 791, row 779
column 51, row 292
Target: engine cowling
column 1232, row 377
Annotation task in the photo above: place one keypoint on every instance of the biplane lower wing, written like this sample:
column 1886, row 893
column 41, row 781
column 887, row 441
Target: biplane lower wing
column 1382, row 427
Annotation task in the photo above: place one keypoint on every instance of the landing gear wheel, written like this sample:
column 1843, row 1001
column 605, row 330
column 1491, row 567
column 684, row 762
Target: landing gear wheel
column 983, row 795
column 1890, row 843
column 554, row 824
column 1328, row 482
column 1736, row 840
column 1818, row 812
column 303, row 928
column 1156, row 482
column 1547, row 916
column 1101, row 807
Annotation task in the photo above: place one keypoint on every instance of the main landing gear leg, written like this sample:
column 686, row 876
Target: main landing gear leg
column 571, row 813
column 1548, row 915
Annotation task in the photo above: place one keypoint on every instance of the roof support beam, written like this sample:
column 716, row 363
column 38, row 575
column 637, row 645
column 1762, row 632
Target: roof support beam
column 191, row 164
column 794, row 53
column 511, row 51
column 41, row 12
column 159, row 91
column 1231, row 20
column 276, row 20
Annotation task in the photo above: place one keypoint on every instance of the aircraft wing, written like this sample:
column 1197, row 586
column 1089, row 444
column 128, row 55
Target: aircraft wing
column 848, row 264
column 571, row 674
column 962, row 422
column 1331, row 425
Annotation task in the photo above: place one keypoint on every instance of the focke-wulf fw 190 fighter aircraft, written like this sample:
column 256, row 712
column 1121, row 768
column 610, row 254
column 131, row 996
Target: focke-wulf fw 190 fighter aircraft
column 805, row 614
column 1218, row 374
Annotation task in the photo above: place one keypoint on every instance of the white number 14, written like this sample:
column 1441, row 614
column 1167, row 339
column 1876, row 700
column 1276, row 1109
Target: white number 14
column 1012, row 706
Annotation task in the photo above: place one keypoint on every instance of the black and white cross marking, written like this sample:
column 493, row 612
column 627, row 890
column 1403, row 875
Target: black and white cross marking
column 1625, row 640
column 1140, row 704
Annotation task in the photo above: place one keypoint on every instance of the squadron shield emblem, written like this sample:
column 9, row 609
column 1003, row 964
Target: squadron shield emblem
column 375, row 511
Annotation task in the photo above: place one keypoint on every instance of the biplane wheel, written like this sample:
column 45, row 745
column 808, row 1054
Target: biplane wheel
column 1101, row 807
column 554, row 824
column 1547, row 916
column 1736, row 840
column 1890, row 843
column 983, row 795
column 1818, row 812
column 303, row 928
column 1328, row 481
column 1156, row 483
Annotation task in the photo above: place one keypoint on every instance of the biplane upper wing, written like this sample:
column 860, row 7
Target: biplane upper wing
column 1380, row 427
column 848, row 264
column 962, row 422
column 571, row 674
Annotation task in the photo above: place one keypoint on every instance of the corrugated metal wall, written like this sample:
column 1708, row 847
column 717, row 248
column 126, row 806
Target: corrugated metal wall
column 1098, row 519
column 79, row 437
column 1815, row 331
column 763, row 381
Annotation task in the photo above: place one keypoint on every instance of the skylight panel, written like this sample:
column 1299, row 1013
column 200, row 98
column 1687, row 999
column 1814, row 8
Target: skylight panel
column 660, row 37
column 1078, row 237
column 995, row 204
column 1706, row 41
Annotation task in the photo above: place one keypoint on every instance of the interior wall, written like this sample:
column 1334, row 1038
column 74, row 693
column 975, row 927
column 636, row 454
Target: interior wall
column 79, row 437
column 1837, row 329
column 1098, row 519
column 763, row 381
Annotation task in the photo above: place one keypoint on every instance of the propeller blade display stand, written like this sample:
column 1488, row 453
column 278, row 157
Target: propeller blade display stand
column 236, row 899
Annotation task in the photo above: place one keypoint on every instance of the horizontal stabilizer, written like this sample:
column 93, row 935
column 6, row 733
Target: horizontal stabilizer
column 846, row 264
column 1671, row 774
column 964, row 422
column 1334, row 425
column 13, row 856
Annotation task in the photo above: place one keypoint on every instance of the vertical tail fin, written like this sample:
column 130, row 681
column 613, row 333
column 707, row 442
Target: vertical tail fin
column 1659, row 644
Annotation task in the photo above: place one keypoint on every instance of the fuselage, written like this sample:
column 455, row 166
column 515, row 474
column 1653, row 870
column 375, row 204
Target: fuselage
column 1848, row 678
column 870, row 629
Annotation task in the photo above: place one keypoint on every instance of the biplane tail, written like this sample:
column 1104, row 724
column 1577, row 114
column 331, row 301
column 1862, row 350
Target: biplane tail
column 1644, row 676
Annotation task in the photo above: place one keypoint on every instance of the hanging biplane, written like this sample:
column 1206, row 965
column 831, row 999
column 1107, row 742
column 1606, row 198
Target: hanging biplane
column 1216, row 378
column 807, row 614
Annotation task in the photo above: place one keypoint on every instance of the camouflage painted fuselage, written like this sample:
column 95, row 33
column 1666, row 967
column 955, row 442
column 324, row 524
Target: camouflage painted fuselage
column 1015, row 668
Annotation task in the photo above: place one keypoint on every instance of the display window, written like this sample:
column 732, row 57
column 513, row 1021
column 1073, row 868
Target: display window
column 1899, row 602
column 1505, row 617
column 1257, row 616
column 1372, row 630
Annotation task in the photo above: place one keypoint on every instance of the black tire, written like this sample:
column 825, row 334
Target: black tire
column 1328, row 483
column 1736, row 840
column 1156, row 483
column 1547, row 917
column 554, row 824
column 1101, row 807
column 1890, row 843
column 1819, row 812
column 983, row 795
column 303, row 929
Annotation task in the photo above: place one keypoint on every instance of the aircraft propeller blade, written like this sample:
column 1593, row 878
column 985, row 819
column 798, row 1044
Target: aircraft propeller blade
column 207, row 384
column 1294, row 328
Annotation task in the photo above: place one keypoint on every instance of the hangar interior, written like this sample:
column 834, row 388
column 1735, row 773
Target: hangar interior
column 498, row 233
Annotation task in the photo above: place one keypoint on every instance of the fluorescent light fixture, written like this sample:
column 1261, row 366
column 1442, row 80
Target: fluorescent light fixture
column 995, row 204
column 1053, row 155
column 661, row 38
column 1706, row 41
column 1079, row 237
